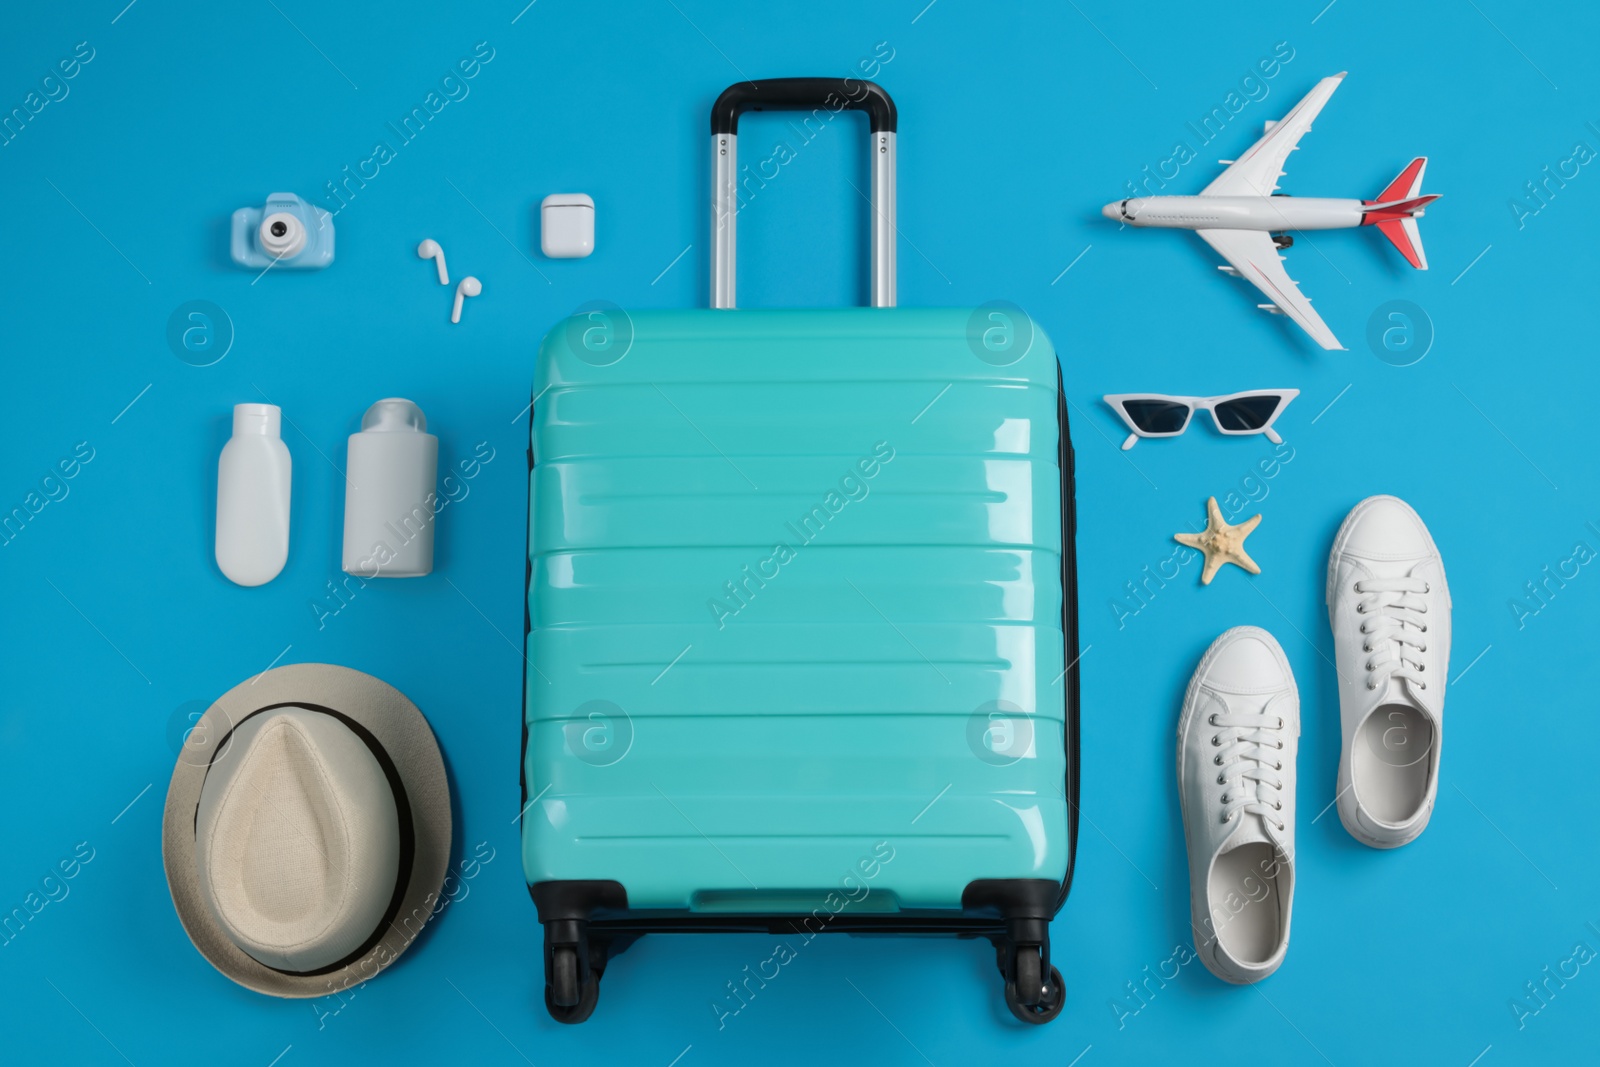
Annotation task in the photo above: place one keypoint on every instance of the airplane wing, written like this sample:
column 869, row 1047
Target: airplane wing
column 1256, row 173
column 1254, row 257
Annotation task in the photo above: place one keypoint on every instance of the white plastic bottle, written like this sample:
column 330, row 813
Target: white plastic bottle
column 253, row 497
column 390, row 496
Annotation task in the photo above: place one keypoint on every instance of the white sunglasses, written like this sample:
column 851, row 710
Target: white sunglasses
column 1160, row 415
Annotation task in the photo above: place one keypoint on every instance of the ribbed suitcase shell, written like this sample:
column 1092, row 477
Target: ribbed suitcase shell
column 784, row 566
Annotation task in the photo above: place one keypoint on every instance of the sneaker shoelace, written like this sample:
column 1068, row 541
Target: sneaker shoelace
column 1251, row 762
column 1394, row 630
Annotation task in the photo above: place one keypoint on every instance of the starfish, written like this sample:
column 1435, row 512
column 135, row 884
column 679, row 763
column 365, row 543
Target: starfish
column 1221, row 543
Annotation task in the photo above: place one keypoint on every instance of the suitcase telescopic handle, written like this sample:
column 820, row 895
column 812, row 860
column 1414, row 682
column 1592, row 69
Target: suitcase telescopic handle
column 823, row 97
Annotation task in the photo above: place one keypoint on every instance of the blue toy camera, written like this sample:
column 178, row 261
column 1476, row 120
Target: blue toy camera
column 284, row 232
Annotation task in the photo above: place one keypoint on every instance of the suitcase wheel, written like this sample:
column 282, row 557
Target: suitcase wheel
column 1047, row 1003
column 1030, row 997
column 569, row 996
column 574, row 955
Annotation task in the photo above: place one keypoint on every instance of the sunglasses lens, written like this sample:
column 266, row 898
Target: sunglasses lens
column 1156, row 416
column 1246, row 413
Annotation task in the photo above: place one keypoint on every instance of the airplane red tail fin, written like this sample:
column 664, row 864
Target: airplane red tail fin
column 1394, row 212
column 1406, row 184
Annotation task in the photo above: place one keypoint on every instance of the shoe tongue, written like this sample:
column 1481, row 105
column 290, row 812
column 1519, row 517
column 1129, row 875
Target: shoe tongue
column 1404, row 693
column 1392, row 568
column 1252, row 829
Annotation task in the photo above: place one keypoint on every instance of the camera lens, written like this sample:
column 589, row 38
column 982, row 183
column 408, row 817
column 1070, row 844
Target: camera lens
column 281, row 235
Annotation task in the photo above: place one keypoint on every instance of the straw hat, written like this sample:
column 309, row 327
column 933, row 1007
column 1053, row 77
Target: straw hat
column 307, row 830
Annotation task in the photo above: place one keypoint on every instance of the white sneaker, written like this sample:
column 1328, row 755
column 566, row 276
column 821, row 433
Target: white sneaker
column 1389, row 608
column 1237, row 737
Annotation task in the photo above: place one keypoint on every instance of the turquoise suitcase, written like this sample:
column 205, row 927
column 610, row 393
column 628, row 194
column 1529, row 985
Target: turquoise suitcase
column 801, row 619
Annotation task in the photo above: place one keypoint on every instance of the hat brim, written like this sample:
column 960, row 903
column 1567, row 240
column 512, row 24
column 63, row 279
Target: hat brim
column 400, row 730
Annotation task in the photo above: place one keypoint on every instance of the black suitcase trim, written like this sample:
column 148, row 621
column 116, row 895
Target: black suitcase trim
column 587, row 922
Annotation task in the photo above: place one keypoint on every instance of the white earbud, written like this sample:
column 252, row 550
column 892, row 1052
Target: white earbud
column 469, row 286
column 430, row 249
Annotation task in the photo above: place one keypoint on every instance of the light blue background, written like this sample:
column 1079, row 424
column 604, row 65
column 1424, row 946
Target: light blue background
column 1017, row 123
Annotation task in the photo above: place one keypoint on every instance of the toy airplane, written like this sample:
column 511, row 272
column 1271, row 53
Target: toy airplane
column 1241, row 217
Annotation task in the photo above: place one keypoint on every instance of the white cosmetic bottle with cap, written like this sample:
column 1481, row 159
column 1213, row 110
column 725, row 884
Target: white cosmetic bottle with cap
column 253, row 497
column 390, row 496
